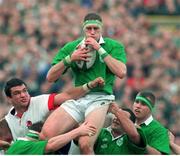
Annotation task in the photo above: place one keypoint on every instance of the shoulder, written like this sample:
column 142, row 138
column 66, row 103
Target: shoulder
column 155, row 128
column 11, row 112
column 104, row 131
column 10, row 115
column 73, row 43
column 39, row 97
column 157, row 124
column 38, row 101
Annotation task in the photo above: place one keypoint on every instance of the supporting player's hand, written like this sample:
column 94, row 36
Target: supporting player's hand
column 113, row 108
column 99, row 81
column 4, row 144
column 87, row 129
column 171, row 136
column 92, row 42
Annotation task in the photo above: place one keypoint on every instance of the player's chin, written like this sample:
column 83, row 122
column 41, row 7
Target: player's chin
column 24, row 103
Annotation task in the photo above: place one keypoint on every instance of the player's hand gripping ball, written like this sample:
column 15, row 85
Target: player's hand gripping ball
column 85, row 65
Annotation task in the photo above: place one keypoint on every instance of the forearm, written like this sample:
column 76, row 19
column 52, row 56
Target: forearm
column 128, row 126
column 73, row 93
column 116, row 67
column 152, row 151
column 76, row 92
column 55, row 72
column 57, row 142
column 175, row 148
column 82, row 90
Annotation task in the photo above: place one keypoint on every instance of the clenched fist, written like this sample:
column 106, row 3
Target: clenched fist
column 99, row 81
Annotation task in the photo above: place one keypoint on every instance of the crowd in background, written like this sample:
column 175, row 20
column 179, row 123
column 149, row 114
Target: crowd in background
column 31, row 32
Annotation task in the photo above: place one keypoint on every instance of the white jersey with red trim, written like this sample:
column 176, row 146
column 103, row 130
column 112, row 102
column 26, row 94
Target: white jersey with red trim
column 38, row 110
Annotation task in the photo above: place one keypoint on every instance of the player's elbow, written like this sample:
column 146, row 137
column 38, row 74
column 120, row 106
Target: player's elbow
column 49, row 78
column 135, row 137
column 122, row 73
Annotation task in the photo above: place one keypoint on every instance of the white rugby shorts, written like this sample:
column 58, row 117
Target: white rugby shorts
column 80, row 108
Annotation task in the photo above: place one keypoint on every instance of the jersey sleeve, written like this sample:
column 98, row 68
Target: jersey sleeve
column 118, row 53
column 59, row 56
column 160, row 141
column 141, row 147
column 40, row 106
column 51, row 105
column 116, row 50
column 38, row 147
column 27, row 147
column 64, row 51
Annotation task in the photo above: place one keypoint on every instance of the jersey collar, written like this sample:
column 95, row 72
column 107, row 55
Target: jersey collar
column 109, row 129
column 147, row 121
column 14, row 113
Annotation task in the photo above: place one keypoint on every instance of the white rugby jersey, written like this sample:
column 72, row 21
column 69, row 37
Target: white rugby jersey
column 38, row 110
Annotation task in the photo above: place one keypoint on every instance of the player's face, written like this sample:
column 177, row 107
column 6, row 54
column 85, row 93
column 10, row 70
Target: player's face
column 141, row 110
column 93, row 31
column 19, row 96
column 116, row 125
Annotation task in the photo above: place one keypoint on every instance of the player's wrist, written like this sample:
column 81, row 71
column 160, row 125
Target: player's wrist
column 89, row 85
column 67, row 60
column 85, row 87
column 102, row 53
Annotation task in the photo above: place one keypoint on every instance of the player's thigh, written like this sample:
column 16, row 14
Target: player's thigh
column 58, row 122
column 96, row 118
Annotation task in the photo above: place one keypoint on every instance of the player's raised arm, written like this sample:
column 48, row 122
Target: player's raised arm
column 76, row 92
column 80, row 54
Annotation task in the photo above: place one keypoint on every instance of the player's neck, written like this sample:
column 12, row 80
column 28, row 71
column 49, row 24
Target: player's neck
column 140, row 121
column 21, row 110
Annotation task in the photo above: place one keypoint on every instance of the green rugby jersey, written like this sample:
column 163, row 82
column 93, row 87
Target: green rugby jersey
column 99, row 68
column 106, row 144
column 157, row 136
column 24, row 147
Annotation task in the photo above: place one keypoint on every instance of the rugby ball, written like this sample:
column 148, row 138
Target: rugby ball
column 84, row 65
